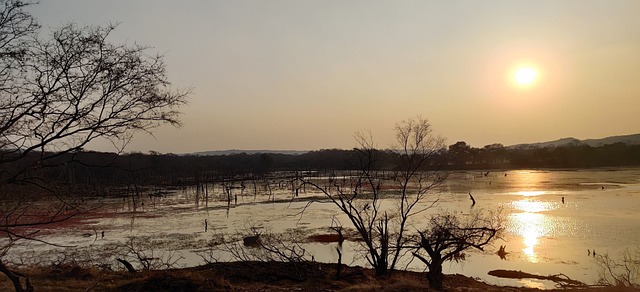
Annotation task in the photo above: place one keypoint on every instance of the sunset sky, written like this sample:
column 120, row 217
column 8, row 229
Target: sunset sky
column 305, row 75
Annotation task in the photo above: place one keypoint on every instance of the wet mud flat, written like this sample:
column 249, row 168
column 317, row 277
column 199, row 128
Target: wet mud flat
column 182, row 227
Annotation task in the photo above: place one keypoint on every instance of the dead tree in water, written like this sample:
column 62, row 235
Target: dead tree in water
column 227, row 191
column 502, row 253
column 382, row 231
column 206, row 194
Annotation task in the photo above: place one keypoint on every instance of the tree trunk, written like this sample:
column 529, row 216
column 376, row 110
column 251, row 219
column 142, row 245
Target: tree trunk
column 15, row 279
column 339, row 263
column 434, row 275
column 381, row 270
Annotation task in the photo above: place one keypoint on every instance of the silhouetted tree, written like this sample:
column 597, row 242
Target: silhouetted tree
column 58, row 94
column 382, row 229
column 623, row 272
column 448, row 235
column 494, row 155
column 459, row 153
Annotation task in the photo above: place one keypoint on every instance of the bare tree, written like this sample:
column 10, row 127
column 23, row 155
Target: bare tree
column 418, row 172
column 149, row 259
column 448, row 235
column 79, row 88
column 382, row 228
column 624, row 272
column 264, row 246
column 59, row 94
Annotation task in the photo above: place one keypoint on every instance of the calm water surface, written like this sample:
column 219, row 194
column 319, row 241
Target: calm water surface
column 544, row 234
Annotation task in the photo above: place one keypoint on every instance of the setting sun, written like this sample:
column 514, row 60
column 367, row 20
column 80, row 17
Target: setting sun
column 525, row 75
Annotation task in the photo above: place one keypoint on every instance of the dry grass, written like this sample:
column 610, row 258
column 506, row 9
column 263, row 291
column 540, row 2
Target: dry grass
column 246, row 276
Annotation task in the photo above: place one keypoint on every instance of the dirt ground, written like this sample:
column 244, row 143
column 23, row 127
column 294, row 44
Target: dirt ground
column 250, row 276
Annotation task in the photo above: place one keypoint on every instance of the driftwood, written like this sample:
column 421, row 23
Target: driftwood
column 127, row 265
column 560, row 279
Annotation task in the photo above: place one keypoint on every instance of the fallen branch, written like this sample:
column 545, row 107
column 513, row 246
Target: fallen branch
column 560, row 279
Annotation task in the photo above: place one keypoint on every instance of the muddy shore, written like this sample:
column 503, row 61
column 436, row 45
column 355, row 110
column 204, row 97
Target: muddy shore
column 252, row 276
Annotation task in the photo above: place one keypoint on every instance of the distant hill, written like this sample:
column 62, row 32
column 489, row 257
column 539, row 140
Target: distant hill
column 627, row 139
column 235, row 151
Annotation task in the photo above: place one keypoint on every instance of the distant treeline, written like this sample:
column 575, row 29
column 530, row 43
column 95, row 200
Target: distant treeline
column 462, row 156
column 97, row 168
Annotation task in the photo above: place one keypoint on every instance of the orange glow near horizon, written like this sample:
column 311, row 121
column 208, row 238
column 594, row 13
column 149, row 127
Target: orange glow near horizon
column 296, row 74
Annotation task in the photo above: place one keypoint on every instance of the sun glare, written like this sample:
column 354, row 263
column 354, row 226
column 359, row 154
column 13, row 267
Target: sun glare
column 525, row 75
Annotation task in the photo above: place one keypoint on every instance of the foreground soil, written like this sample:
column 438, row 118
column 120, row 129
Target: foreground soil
column 251, row 276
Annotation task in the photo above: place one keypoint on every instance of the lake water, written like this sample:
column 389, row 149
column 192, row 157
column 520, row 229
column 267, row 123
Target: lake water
column 544, row 234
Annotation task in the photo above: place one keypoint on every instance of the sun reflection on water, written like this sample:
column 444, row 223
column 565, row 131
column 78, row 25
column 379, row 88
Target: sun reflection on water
column 531, row 193
column 529, row 206
column 531, row 225
column 531, row 284
column 529, row 221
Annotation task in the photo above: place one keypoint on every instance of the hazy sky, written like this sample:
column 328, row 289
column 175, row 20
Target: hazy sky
column 306, row 75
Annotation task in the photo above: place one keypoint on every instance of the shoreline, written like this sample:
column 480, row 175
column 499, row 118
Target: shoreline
column 254, row 276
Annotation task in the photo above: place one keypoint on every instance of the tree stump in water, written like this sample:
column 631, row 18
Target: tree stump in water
column 251, row 241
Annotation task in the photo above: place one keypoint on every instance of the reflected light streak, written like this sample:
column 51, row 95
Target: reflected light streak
column 531, row 193
column 531, row 183
column 529, row 226
column 531, row 206
column 530, row 240
column 531, row 284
